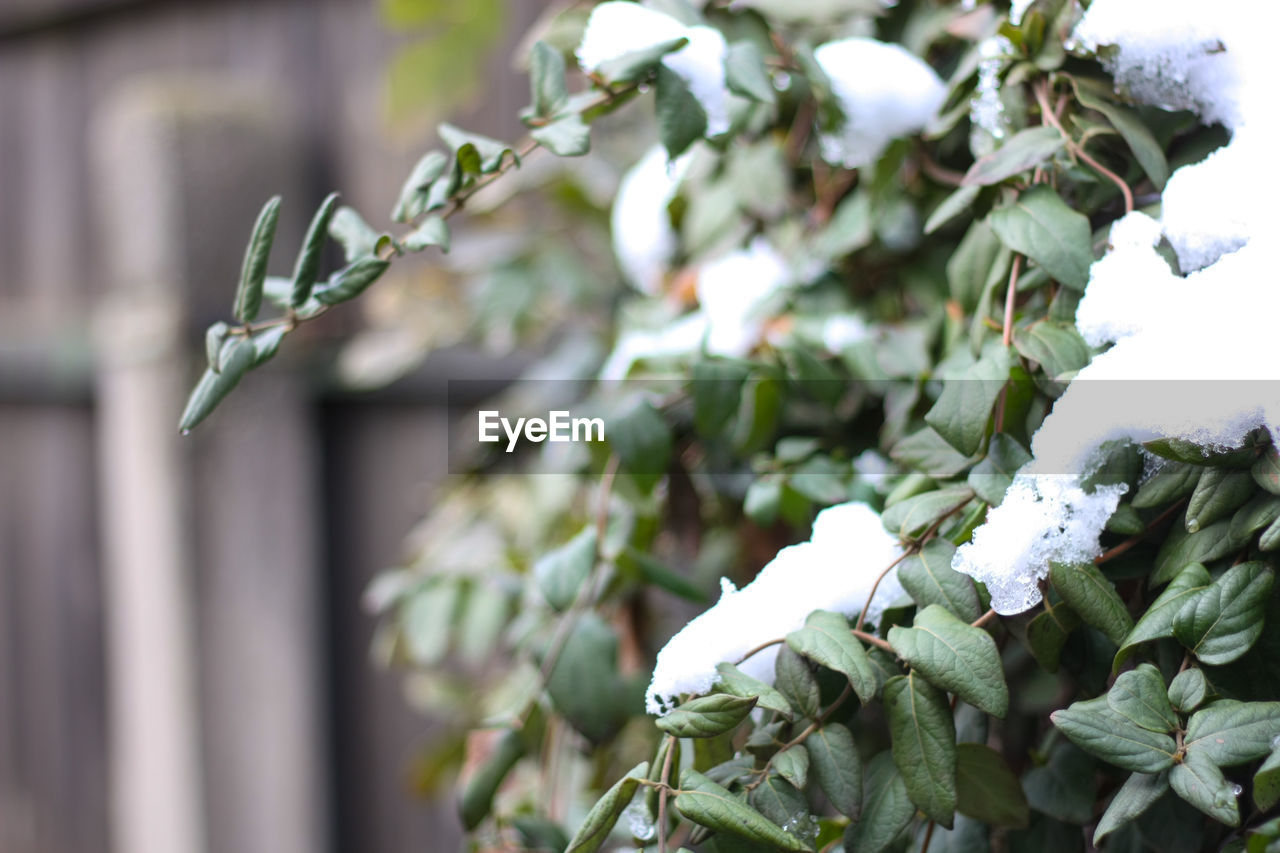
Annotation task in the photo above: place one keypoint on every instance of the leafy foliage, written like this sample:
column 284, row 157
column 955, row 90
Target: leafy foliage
column 930, row 336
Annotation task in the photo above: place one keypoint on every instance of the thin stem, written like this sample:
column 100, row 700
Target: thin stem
column 984, row 619
column 1050, row 115
column 873, row 640
column 665, row 780
column 757, row 650
column 862, row 617
column 1134, row 540
column 1010, row 300
column 928, row 836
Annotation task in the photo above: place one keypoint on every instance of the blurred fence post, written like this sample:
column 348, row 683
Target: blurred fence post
column 211, row 575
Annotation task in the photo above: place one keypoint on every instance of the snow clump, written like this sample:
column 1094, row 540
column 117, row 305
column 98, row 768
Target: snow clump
column 835, row 570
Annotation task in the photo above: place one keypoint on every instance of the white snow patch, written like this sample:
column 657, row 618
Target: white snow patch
column 617, row 28
column 643, row 239
column 885, row 92
column 733, row 293
column 834, row 570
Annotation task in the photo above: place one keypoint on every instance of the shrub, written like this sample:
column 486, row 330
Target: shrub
column 950, row 295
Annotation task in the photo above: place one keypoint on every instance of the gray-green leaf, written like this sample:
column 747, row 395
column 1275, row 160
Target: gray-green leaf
column 681, row 118
column 350, row 281
column 1223, row 621
column 546, row 80
column 986, row 788
column 1135, row 796
column 235, row 359
column 838, row 767
column 307, row 267
column 1098, row 730
column 1092, row 597
column 929, row 579
column 599, row 822
column 1199, row 781
column 1158, row 620
column 1041, row 226
column 955, row 656
column 706, row 716
column 924, row 744
column 1140, row 695
column 1230, row 732
column 253, row 271
column 1266, row 782
column 566, row 137
column 735, row 682
column 964, row 407
column 561, row 573
column 1218, row 493
column 826, row 639
column 886, row 811
column 1188, row 689
column 1024, row 150
column 745, row 73
column 708, row 804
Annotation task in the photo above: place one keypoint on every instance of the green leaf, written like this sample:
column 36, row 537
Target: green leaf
column 1157, row 621
column 1146, row 149
column 1218, row 493
column 796, row 681
column 762, row 501
column 1064, row 787
column 599, row 822
column 1199, row 781
column 1041, row 226
column 236, row 358
column 566, row 137
column 826, row 639
column 641, row 438
column 851, row 227
column 986, row 788
column 964, row 407
column 1188, row 689
column 924, row 744
column 547, row 87
column 708, row 804
column 1270, row 538
column 307, row 267
column 658, row 574
column 928, row 578
column 1181, row 548
column 1057, row 347
column 911, row 517
column 991, row 477
column 583, row 684
column 1220, row 623
column 477, row 795
column 473, row 152
column 539, row 833
column 681, row 118
column 1140, row 695
column 929, row 453
column 792, row 764
column 976, row 266
column 1260, row 512
column 716, row 389
column 1266, row 471
column 561, row 573
column 955, row 656
column 1174, row 480
column 745, row 73
column 1266, row 782
column 350, row 281
column 1230, row 732
column 637, row 64
column 837, row 767
column 778, row 800
column 1092, row 597
column 214, row 339
column 253, row 272
column 706, row 716
column 1135, row 796
column 1098, row 730
column 432, row 231
column 885, row 813
column 357, row 237
column 960, row 201
column 413, row 195
column 1047, row 633
column 1024, row 150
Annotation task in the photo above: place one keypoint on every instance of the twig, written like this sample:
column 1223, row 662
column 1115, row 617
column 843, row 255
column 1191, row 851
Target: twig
column 665, row 788
column 984, row 619
column 758, row 649
column 862, row 617
column 1112, row 553
column 1010, row 300
column 928, row 836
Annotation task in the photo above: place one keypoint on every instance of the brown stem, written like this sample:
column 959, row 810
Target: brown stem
column 873, row 640
column 984, row 619
column 1010, row 300
column 1112, row 553
column 928, row 836
column 862, row 617
column 758, row 649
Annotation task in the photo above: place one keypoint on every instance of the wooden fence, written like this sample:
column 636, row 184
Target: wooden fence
column 184, row 662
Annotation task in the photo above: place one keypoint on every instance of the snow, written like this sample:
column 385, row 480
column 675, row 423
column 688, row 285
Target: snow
column 733, row 293
column 1193, row 356
column 885, row 92
column 987, row 117
column 618, row 28
column 834, row 570
column 643, row 239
